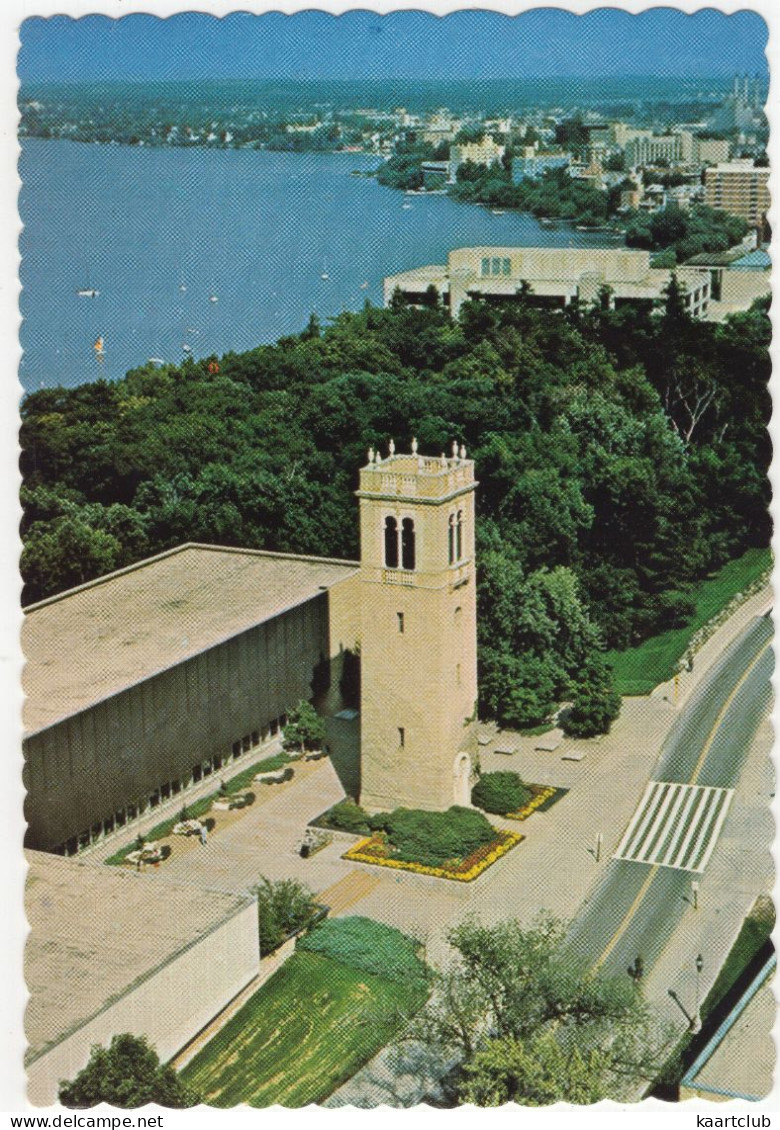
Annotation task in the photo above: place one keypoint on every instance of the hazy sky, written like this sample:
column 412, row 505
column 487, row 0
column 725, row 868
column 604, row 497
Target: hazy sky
column 545, row 42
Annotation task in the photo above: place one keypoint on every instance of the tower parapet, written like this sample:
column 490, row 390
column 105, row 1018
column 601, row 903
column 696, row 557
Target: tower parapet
column 417, row 476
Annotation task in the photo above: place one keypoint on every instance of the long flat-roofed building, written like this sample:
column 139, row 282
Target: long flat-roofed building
column 556, row 276
column 111, row 951
column 144, row 681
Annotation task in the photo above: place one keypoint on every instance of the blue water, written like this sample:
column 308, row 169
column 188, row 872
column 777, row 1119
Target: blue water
column 255, row 230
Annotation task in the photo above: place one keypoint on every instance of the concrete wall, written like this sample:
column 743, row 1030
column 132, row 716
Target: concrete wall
column 169, row 1006
column 119, row 751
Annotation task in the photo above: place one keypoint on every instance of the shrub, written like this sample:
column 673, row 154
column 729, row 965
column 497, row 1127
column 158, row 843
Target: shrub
column 368, row 946
column 500, row 793
column 283, row 906
column 347, row 816
column 433, row 838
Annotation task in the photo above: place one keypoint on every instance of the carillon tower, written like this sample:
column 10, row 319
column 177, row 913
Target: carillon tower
column 418, row 629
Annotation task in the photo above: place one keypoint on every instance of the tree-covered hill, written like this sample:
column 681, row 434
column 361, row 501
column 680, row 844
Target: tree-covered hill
column 621, row 457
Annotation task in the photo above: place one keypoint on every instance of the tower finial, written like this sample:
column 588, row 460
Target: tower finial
column 391, row 447
column 463, row 451
column 371, row 455
column 454, row 449
column 443, row 459
column 414, row 445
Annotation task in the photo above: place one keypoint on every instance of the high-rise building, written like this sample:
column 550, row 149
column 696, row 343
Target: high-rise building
column 740, row 188
column 418, row 641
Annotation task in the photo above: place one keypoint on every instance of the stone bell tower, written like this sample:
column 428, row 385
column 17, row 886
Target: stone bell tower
column 418, row 630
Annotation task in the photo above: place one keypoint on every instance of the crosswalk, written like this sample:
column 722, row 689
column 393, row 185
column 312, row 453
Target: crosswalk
column 675, row 825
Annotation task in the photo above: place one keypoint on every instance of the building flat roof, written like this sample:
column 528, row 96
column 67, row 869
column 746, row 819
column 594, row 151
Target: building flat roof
column 96, row 931
column 93, row 641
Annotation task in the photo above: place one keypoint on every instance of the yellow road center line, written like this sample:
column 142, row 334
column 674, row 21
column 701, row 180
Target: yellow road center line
column 702, row 756
column 722, row 712
column 627, row 917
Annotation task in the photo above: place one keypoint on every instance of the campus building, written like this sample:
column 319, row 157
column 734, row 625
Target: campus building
column 550, row 277
column 142, row 683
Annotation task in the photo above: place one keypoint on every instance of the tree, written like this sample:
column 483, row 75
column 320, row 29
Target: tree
column 284, row 906
column 127, row 1073
column 596, row 703
column 533, row 1022
column 534, row 1072
column 304, row 728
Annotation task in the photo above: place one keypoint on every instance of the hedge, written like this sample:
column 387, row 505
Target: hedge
column 369, row 946
column 500, row 793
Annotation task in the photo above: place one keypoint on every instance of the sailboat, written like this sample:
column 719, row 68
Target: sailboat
column 99, row 349
column 87, row 292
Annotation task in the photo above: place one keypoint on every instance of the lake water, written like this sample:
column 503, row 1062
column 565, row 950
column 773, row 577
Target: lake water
column 215, row 249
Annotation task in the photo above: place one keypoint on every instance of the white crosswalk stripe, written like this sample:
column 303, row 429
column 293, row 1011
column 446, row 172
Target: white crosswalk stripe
column 675, row 825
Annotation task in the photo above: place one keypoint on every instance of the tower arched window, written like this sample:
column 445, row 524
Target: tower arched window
column 391, row 543
column 407, row 544
column 459, row 536
column 451, row 541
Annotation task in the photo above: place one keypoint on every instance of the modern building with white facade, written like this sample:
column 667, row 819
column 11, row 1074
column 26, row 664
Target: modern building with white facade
column 556, row 276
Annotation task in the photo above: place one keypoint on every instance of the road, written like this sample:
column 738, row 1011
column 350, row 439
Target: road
column 646, row 887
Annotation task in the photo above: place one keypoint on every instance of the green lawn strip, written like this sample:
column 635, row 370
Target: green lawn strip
column 756, row 929
column 200, row 807
column 638, row 670
column 302, row 1034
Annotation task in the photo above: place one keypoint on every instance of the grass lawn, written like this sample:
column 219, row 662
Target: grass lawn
column 756, row 929
column 302, row 1034
column 639, row 669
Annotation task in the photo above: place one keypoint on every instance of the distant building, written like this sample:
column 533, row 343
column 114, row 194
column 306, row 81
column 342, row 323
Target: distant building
column 435, row 174
column 712, row 150
column 737, row 278
column 533, row 163
column 649, row 150
column 740, row 107
column 556, row 276
column 739, row 188
column 485, row 152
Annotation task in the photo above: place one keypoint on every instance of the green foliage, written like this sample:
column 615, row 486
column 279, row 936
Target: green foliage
column 500, row 793
column 347, row 816
column 622, row 458
column 126, row 1074
column 596, row 704
column 304, row 728
column 526, row 988
column 687, row 232
column 284, row 906
column 533, row 1072
column 368, row 946
column 432, row 838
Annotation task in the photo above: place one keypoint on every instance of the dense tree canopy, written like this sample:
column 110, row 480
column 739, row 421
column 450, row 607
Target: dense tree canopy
column 621, row 457
column 126, row 1074
column 528, row 1022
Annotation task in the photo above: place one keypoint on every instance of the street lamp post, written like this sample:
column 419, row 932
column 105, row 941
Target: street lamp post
column 696, row 1018
column 695, row 893
column 599, row 841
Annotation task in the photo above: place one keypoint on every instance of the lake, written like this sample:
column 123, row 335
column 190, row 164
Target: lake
column 215, row 249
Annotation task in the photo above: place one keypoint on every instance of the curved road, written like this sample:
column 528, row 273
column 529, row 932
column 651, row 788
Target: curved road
column 639, row 902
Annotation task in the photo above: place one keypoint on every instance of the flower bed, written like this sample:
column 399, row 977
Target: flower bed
column 377, row 850
column 543, row 797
